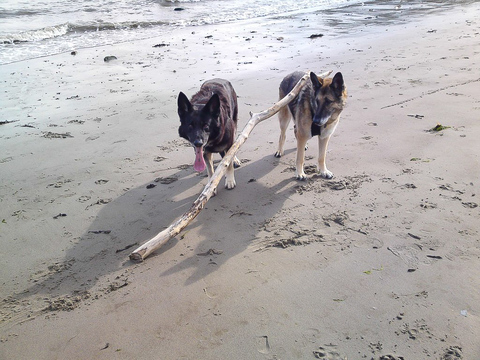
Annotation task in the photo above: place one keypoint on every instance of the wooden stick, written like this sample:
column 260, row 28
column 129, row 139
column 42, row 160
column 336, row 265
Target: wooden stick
column 175, row 228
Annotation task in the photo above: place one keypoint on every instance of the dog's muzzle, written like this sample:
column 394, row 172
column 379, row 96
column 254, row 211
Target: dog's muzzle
column 198, row 143
column 322, row 117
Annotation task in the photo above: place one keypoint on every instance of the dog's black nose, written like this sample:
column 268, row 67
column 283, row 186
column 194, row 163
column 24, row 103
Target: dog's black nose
column 198, row 143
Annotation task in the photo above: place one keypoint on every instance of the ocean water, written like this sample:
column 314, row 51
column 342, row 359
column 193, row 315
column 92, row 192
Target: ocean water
column 30, row 29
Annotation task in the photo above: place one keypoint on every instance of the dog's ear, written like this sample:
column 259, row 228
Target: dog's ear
column 315, row 81
column 213, row 107
column 184, row 106
column 337, row 84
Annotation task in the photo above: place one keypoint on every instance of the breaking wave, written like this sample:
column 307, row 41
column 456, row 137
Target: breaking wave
column 35, row 35
column 51, row 32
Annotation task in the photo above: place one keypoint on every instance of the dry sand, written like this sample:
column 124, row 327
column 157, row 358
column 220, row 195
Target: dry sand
column 382, row 262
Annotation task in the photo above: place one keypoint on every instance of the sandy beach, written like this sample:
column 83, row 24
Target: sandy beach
column 382, row 262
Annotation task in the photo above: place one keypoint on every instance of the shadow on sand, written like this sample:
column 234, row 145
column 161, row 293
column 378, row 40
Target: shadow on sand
column 98, row 262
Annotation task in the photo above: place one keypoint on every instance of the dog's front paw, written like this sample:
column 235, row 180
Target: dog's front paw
column 230, row 184
column 301, row 177
column 326, row 174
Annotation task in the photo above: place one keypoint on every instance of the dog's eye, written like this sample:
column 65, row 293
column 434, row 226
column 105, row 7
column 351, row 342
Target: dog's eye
column 206, row 128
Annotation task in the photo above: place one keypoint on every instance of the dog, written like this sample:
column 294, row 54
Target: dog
column 209, row 122
column 316, row 112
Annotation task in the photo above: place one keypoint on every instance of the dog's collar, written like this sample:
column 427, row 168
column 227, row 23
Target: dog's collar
column 316, row 129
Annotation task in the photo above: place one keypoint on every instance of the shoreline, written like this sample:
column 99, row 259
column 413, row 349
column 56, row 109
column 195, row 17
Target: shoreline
column 382, row 260
column 330, row 20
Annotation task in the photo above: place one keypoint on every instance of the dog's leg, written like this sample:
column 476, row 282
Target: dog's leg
column 322, row 154
column 284, row 117
column 301, row 143
column 208, row 156
column 236, row 161
column 230, row 177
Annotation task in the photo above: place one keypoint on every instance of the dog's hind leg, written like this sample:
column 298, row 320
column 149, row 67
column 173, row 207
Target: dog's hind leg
column 284, row 117
column 230, row 177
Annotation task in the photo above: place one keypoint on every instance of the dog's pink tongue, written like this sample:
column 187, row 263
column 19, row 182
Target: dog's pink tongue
column 199, row 164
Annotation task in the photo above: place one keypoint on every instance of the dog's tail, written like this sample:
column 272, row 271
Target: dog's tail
column 284, row 115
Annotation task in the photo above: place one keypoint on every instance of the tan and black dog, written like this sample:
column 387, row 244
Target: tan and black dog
column 316, row 112
column 209, row 122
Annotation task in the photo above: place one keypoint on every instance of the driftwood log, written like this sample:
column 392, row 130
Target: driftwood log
column 176, row 227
